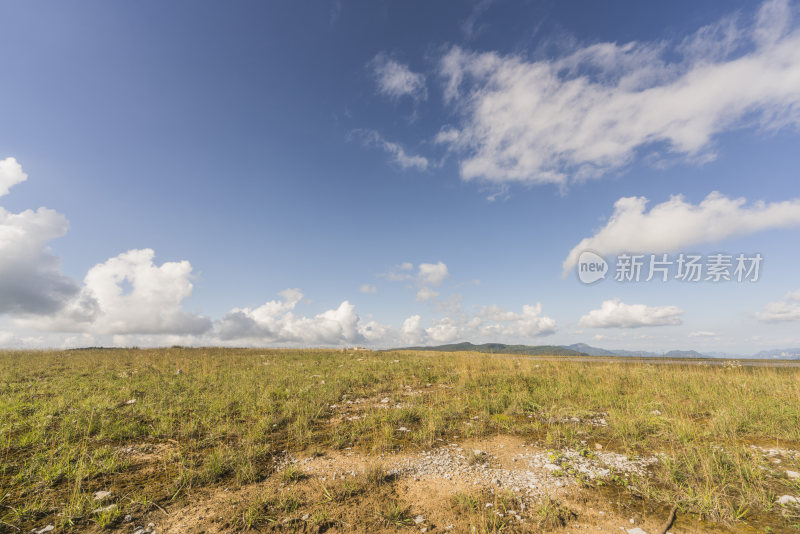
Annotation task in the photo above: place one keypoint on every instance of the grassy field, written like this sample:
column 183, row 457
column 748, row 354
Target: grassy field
column 171, row 433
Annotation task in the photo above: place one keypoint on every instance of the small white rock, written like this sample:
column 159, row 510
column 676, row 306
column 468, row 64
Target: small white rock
column 794, row 475
column 788, row 499
column 104, row 509
column 101, row 495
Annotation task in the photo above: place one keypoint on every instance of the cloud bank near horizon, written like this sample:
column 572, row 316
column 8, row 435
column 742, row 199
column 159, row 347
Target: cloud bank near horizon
column 131, row 299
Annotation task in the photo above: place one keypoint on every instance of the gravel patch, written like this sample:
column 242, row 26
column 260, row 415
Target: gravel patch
column 535, row 473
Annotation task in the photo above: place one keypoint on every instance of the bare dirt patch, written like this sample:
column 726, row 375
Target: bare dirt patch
column 501, row 483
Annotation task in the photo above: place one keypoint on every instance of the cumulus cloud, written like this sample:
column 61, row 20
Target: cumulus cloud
column 368, row 289
column 595, row 109
column 398, row 154
column 614, row 313
column 492, row 323
column 676, row 224
column 30, row 275
column 10, row 175
column 529, row 323
column 129, row 294
column 374, row 332
column 784, row 310
column 38, row 296
column 396, row 80
column 412, row 331
column 443, row 331
column 432, row 273
column 276, row 322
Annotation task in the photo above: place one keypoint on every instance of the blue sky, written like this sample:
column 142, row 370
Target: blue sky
column 413, row 172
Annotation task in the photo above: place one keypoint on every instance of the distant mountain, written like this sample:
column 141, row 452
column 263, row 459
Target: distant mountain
column 582, row 349
column 684, row 354
column 587, row 349
column 595, row 351
column 779, row 354
column 501, row 348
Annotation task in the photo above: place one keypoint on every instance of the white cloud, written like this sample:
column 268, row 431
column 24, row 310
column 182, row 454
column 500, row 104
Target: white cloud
column 6, row 338
column 10, row 175
column 276, row 323
column 30, row 275
column 432, row 273
column 529, row 323
column 129, row 294
column 412, row 332
column 593, row 110
column 374, row 332
column 675, row 224
column 443, row 331
column 772, row 22
column 11, row 340
column 702, row 333
column 426, row 293
column 396, row 80
column 38, row 296
column 491, row 323
column 399, row 155
column 784, row 310
column 614, row 313
column 368, row 289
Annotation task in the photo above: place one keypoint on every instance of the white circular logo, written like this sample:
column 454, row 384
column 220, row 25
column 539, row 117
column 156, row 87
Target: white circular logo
column 591, row 267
